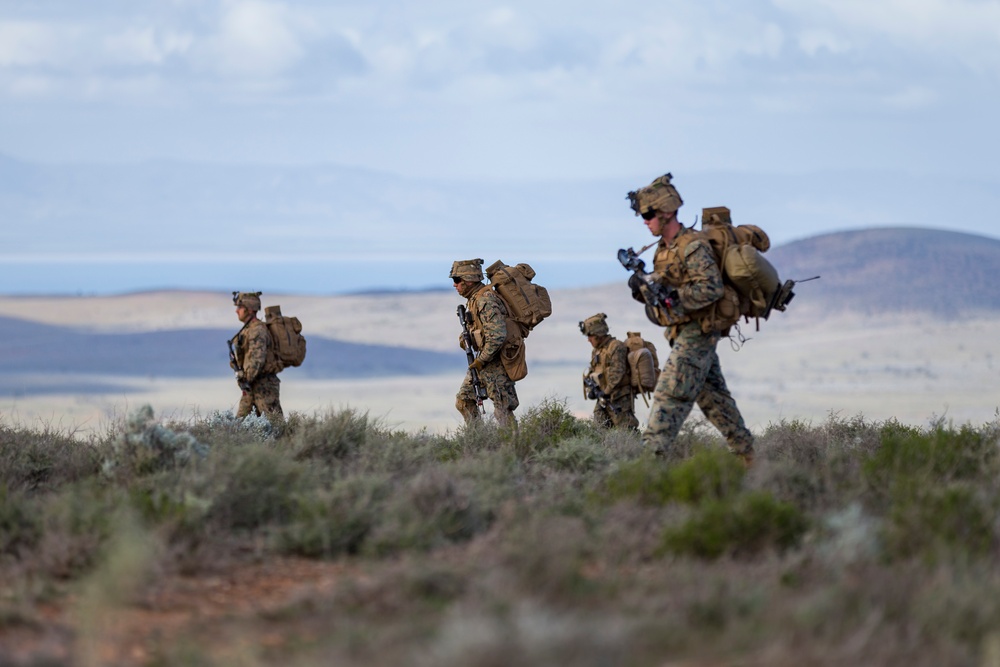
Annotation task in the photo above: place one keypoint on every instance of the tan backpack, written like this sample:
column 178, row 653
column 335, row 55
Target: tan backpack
column 642, row 362
column 286, row 335
column 527, row 303
column 738, row 251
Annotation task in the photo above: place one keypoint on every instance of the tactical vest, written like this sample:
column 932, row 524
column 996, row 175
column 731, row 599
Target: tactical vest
column 669, row 262
column 271, row 363
column 600, row 360
column 512, row 352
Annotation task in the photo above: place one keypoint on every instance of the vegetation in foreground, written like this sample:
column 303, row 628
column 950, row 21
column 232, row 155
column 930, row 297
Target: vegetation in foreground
column 849, row 542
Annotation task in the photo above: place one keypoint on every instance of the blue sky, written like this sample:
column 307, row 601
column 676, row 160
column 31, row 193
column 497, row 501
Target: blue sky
column 517, row 91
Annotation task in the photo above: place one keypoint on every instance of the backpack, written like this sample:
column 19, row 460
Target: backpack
column 738, row 251
column 642, row 362
column 527, row 303
column 286, row 334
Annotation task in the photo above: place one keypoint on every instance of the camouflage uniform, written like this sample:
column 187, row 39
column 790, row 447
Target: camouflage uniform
column 255, row 355
column 488, row 327
column 609, row 369
column 692, row 373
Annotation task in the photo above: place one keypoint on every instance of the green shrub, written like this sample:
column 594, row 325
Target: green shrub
column 953, row 520
column 430, row 510
column 41, row 460
column 909, row 457
column 330, row 437
column 543, row 425
column 19, row 524
column 260, row 489
column 710, row 473
column 745, row 525
column 578, row 454
column 77, row 522
column 337, row 521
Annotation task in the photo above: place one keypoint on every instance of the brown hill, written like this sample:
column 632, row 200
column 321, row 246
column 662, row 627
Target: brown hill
column 876, row 271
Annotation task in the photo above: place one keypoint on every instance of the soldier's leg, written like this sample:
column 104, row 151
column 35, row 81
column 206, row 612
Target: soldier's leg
column 601, row 416
column 624, row 416
column 719, row 407
column 267, row 391
column 501, row 391
column 680, row 383
column 465, row 400
column 246, row 404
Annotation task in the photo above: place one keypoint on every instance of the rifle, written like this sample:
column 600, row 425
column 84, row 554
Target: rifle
column 242, row 383
column 592, row 391
column 477, row 386
column 655, row 295
column 783, row 295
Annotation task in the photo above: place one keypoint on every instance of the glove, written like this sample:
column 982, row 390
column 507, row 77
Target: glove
column 461, row 341
column 241, row 376
column 476, row 365
column 635, row 283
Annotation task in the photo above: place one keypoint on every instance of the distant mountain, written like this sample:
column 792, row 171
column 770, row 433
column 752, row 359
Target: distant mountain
column 895, row 270
column 31, row 350
column 329, row 228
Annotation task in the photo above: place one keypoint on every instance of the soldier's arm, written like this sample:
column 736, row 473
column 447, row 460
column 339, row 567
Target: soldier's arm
column 494, row 323
column 704, row 286
column 256, row 356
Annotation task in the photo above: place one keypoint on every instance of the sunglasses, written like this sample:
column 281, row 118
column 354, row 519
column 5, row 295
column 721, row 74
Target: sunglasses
column 648, row 214
column 456, row 280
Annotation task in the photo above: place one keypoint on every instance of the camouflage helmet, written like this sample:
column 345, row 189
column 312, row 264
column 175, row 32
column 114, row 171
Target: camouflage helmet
column 469, row 270
column 249, row 300
column 595, row 325
column 659, row 195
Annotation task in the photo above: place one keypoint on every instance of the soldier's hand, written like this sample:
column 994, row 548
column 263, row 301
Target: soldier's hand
column 241, row 376
column 461, row 341
column 476, row 365
column 635, row 283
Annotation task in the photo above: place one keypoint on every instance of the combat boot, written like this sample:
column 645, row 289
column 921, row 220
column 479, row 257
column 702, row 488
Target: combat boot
column 746, row 458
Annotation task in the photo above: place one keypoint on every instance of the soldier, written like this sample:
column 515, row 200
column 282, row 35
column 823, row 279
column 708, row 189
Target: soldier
column 701, row 310
column 487, row 322
column 609, row 373
column 255, row 361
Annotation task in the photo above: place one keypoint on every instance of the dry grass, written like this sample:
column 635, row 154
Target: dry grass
column 850, row 542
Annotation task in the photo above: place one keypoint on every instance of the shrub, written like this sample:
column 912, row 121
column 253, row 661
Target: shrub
column 260, row 489
column 331, row 437
column 908, row 457
column 19, row 525
column 710, row 473
column 432, row 509
column 146, row 447
column 41, row 460
column 544, row 425
column 935, row 522
column 578, row 454
column 745, row 525
column 335, row 522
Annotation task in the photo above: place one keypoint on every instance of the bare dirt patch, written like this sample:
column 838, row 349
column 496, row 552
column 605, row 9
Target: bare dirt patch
column 177, row 608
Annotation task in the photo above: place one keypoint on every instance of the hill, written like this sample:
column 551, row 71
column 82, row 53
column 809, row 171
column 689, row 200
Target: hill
column 38, row 349
column 877, row 271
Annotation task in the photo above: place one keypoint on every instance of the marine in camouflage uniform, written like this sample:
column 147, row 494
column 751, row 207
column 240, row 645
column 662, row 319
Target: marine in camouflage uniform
column 703, row 309
column 256, row 363
column 609, row 370
column 487, row 322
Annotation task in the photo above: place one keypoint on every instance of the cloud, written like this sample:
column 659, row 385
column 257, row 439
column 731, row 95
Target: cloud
column 256, row 39
column 146, row 46
column 31, row 43
column 965, row 31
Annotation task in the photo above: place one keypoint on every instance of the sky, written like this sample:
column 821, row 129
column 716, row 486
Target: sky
column 519, row 91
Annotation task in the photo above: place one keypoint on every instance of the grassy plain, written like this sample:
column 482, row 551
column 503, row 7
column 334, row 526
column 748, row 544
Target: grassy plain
column 804, row 364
